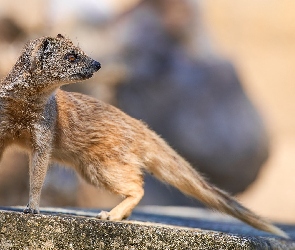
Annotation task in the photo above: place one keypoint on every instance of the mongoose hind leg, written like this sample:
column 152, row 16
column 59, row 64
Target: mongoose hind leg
column 124, row 209
column 128, row 186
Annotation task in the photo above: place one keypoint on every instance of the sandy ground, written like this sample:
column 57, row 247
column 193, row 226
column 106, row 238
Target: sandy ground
column 259, row 36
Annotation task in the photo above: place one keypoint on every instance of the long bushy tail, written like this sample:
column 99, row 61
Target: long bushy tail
column 175, row 171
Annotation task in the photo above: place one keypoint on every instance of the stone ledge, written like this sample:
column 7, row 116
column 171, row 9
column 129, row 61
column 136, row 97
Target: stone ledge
column 57, row 229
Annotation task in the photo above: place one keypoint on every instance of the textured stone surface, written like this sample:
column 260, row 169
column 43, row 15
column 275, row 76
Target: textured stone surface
column 64, row 231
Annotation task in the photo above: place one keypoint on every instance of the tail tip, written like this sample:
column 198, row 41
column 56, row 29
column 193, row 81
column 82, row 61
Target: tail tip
column 277, row 231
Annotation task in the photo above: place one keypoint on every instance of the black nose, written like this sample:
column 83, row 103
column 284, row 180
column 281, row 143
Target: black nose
column 96, row 65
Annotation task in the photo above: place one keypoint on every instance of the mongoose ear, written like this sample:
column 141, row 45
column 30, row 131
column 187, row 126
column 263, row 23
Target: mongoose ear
column 60, row 36
column 41, row 49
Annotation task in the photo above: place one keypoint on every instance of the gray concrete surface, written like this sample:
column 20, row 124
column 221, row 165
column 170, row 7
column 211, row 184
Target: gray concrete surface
column 77, row 229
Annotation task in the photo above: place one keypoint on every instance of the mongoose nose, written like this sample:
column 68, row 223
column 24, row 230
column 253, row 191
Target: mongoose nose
column 96, row 65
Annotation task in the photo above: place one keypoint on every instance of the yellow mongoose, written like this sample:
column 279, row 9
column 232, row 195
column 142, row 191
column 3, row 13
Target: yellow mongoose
column 104, row 145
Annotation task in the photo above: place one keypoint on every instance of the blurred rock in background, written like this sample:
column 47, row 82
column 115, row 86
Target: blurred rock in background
column 190, row 96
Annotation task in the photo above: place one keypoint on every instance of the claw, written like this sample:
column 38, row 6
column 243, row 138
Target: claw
column 29, row 210
column 103, row 215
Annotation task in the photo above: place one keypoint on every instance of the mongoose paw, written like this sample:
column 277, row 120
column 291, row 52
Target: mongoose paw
column 103, row 215
column 29, row 210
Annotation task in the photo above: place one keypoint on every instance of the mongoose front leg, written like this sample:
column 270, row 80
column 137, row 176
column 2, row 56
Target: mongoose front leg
column 38, row 167
column 39, row 161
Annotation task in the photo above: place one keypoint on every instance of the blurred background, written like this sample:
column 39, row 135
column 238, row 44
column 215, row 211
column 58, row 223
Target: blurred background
column 214, row 78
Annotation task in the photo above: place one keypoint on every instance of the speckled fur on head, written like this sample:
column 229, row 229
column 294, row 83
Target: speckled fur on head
column 58, row 60
column 49, row 62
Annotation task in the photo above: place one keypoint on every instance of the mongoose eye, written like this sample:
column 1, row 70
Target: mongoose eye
column 72, row 57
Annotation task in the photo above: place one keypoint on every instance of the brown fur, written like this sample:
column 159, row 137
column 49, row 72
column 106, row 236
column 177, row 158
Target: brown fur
column 104, row 145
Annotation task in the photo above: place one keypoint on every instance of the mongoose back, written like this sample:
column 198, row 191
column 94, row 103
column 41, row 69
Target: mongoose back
column 105, row 146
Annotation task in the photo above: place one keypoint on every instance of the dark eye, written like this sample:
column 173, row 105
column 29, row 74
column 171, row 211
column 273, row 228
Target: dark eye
column 72, row 57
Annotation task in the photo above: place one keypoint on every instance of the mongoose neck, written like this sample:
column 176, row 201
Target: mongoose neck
column 25, row 87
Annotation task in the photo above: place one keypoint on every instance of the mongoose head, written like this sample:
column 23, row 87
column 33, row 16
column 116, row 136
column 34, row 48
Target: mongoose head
column 56, row 61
